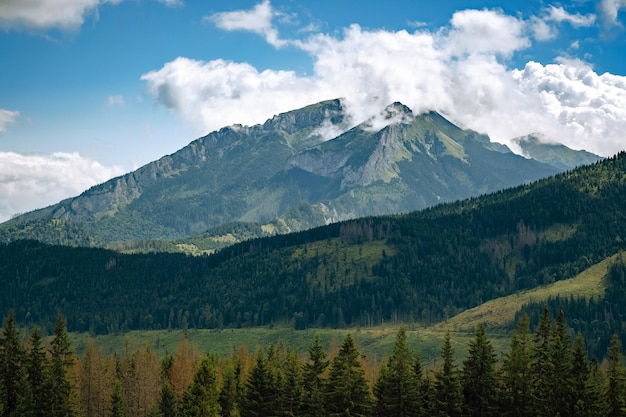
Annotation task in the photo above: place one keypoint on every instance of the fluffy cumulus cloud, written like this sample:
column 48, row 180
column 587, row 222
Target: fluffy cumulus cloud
column 460, row 70
column 28, row 181
column 6, row 118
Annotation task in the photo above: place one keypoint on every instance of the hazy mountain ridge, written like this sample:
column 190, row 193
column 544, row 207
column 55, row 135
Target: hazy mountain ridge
column 286, row 175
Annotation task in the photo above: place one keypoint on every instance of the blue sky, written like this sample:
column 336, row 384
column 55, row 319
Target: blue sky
column 90, row 89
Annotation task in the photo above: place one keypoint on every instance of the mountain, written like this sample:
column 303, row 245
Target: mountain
column 421, row 267
column 536, row 147
column 284, row 176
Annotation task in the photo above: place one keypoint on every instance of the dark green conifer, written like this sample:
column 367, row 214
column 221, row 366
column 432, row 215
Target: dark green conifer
column 12, row 369
column 543, row 367
column 261, row 391
column 479, row 377
column 61, row 404
column 313, row 402
column 448, row 396
column 397, row 387
column 201, row 398
column 516, row 380
column 347, row 390
column 616, row 393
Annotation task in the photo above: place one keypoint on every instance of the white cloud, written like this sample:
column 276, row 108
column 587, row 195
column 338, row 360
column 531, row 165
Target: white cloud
column 485, row 32
column 171, row 3
column 115, row 101
column 46, row 14
column 6, row 118
column 559, row 14
column 257, row 20
column 460, row 71
column 610, row 10
column 28, row 181
column 218, row 93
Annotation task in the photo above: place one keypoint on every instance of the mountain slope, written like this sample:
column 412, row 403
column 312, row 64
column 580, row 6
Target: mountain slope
column 424, row 266
column 560, row 156
column 284, row 175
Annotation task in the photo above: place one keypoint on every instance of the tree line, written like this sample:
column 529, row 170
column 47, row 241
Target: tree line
column 544, row 373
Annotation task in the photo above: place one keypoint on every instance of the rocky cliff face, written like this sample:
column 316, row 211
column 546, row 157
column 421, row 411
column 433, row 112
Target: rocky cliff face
column 287, row 172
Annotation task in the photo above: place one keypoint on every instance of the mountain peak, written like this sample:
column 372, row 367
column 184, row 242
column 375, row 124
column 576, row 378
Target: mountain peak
column 537, row 146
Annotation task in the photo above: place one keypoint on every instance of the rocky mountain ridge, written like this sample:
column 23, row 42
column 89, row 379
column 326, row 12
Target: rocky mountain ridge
column 287, row 175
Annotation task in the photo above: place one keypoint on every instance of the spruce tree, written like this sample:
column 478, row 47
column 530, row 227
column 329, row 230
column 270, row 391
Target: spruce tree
column 543, row 367
column 560, row 397
column 347, row 390
column 516, row 399
column 313, row 403
column 479, row 377
column 167, row 406
column 12, row 369
column 397, row 387
column 38, row 370
column 586, row 391
column 118, row 408
column 261, row 391
column 448, row 396
column 616, row 393
column 61, row 359
column 229, row 392
column 201, row 398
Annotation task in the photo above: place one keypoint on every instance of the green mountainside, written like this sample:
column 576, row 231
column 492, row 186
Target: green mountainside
column 423, row 267
column 280, row 177
column 535, row 147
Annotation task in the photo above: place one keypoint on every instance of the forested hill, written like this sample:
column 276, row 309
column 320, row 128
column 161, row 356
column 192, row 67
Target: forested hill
column 424, row 266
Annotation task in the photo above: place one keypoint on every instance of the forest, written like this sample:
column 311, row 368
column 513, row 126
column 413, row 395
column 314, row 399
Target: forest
column 546, row 372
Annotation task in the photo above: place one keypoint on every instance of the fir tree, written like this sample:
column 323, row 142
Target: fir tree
column 479, row 377
column 560, row 393
column 167, row 406
column 313, row 404
column 586, row 391
column 397, row 387
column 516, row 375
column 616, row 380
column 261, row 391
column 37, row 367
column 448, row 396
column 347, row 390
column 543, row 366
column 117, row 402
column 229, row 392
column 201, row 398
column 61, row 360
column 12, row 370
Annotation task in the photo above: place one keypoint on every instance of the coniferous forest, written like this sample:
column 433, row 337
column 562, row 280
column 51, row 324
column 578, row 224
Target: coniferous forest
column 544, row 372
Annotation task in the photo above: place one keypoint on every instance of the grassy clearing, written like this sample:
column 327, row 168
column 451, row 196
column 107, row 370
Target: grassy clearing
column 501, row 311
column 375, row 344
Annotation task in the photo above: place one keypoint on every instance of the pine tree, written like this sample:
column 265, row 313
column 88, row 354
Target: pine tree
column 543, row 367
column 516, row 382
column 61, row 360
column 479, row 377
column 397, row 387
column 12, row 370
column 38, row 371
column 261, row 391
column 229, row 392
column 117, row 402
column 201, row 398
column 560, row 394
column 167, row 406
column 347, row 390
column 313, row 402
column 586, row 391
column 292, row 390
column 616, row 379
column 448, row 396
